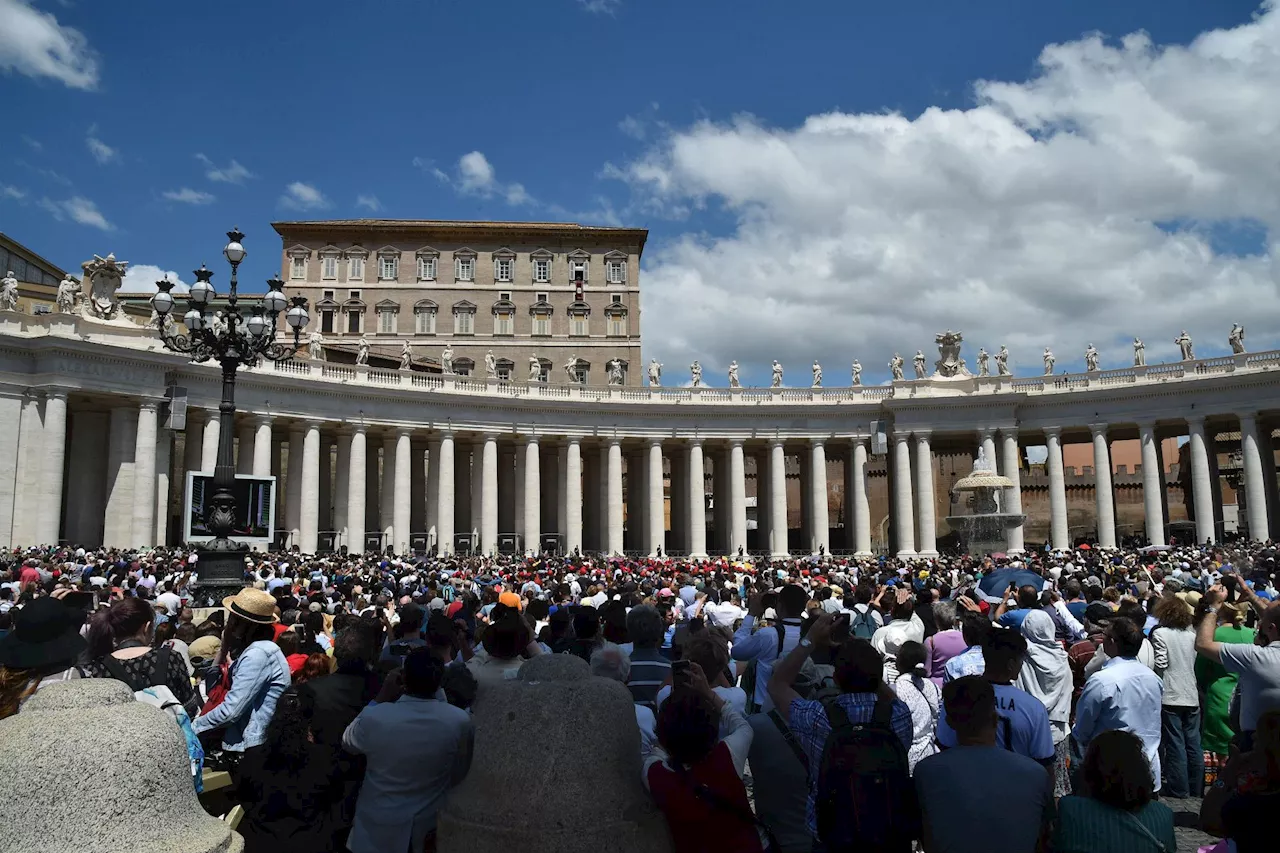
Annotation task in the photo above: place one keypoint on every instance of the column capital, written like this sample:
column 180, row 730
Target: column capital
column 1196, row 421
column 818, row 441
column 614, row 441
column 922, row 434
column 404, row 432
column 1146, row 424
column 1099, row 429
column 144, row 406
column 987, row 432
column 573, row 439
column 736, row 442
column 61, row 394
column 1252, row 417
column 313, row 422
column 263, row 420
column 531, row 439
column 1054, row 432
column 695, row 442
column 777, row 442
column 357, row 428
column 654, row 441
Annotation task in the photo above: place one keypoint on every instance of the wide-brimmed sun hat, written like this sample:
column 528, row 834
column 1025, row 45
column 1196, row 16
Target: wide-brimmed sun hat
column 45, row 632
column 253, row 605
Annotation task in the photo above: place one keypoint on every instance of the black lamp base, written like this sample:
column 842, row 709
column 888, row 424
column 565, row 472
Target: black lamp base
column 220, row 570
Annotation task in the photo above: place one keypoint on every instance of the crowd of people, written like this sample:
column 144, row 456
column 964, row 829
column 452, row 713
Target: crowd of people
column 1041, row 701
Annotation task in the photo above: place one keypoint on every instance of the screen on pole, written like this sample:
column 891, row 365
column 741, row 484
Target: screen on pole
column 255, row 506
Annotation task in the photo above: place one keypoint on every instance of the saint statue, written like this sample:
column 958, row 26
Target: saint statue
column 817, row 374
column 733, row 375
column 1139, row 353
column 1184, row 344
column 406, row 356
column 655, row 373
column 857, row 372
column 571, row 368
column 315, row 346
column 1236, row 338
column 776, row 382
column 615, row 372
column 1002, row 361
column 918, row 361
column 9, row 293
column 218, row 325
column 984, row 362
column 1049, row 361
column 695, row 372
column 362, row 351
column 1091, row 359
column 490, row 365
column 68, row 295
column 446, row 360
column 535, row 369
column 895, row 366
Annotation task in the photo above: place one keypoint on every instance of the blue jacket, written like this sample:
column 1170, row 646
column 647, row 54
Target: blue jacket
column 258, row 677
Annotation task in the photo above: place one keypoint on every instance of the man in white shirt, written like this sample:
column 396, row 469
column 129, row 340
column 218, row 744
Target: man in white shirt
column 172, row 603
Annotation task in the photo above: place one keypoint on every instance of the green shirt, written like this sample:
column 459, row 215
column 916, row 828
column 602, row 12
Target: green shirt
column 1086, row 825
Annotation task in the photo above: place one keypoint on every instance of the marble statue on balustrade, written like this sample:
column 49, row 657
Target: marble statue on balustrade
column 655, row 373
column 1049, row 361
column 446, row 359
column 1091, row 359
column 218, row 324
column 102, row 278
column 1002, row 361
column 1184, row 344
column 162, row 323
column 733, row 375
column 490, row 365
column 535, row 369
column 615, row 372
column 817, row 374
column 571, row 368
column 895, row 366
column 315, row 345
column 776, row 381
column 984, row 362
column 362, row 351
column 406, row 356
column 919, row 363
column 69, row 295
column 9, row 293
column 695, row 374
column 1139, row 353
column 949, row 364
column 1236, row 338
column 857, row 373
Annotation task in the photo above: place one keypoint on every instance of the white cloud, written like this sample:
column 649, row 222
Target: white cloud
column 300, row 196
column 369, row 201
column 601, row 7
column 101, row 151
column 77, row 209
column 475, row 176
column 35, row 44
column 142, row 278
column 231, row 174
column 13, row 193
column 186, row 195
column 633, row 127
column 1086, row 204
column 34, row 144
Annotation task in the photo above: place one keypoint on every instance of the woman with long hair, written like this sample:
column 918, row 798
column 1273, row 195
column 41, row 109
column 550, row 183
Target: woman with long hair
column 120, row 647
column 1174, row 643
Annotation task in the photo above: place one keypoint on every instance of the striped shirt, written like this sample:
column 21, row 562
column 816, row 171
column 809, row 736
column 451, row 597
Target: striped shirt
column 1088, row 826
column 649, row 671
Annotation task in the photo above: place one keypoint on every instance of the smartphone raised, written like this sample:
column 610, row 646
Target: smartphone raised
column 85, row 601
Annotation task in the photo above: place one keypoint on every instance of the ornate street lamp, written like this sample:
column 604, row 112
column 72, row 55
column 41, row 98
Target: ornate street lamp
column 232, row 340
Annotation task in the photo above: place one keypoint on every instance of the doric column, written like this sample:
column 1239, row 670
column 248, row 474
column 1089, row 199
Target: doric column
column 778, row 498
column 1201, row 482
column 573, row 495
column 401, row 486
column 903, row 516
column 164, row 461
column 1266, row 449
column 657, row 523
column 737, row 498
column 532, row 494
column 613, row 497
column 1059, row 535
column 209, row 456
column 1152, row 483
column 261, row 446
column 54, row 456
column 309, row 504
column 928, row 538
column 858, row 496
column 357, row 467
column 387, row 496
column 293, row 494
column 1254, row 486
column 244, row 448
column 117, row 528
column 444, row 499
column 820, row 527
column 489, row 495
column 433, row 488
column 1104, row 498
column 144, row 476
column 697, row 503
column 1012, row 495
column 341, row 489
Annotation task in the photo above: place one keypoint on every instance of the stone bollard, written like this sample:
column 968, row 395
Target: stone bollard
column 556, row 769
column 86, row 769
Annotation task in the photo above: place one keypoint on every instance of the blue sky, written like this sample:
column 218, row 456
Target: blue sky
column 149, row 128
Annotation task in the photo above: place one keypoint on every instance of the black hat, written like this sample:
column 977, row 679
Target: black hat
column 45, row 632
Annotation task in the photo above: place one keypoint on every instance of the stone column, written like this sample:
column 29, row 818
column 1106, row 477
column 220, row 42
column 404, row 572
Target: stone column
column 820, row 527
column 1104, row 498
column 1201, row 482
column 117, row 530
column 309, row 503
column 357, row 468
column 54, row 453
column 778, row 498
column 573, row 495
column 444, row 491
column 261, row 446
column 244, row 448
column 805, row 480
column 858, row 497
column 1059, row 535
column 927, row 540
column 401, row 484
column 144, row 475
column 1254, row 487
column 532, row 495
column 613, row 499
column 164, row 462
column 341, row 490
column 293, row 478
column 697, row 502
column 1266, row 449
column 903, row 514
column 209, row 455
column 433, row 487
column 657, row 522
column 387, row 496
column 1013, row 494
column 737, row 498
column 489, row 495
column 193, row 448
column 1152, row 483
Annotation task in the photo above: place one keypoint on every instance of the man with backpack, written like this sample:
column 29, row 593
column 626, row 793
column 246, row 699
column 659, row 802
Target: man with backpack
column 762, row 649
column 855, row 745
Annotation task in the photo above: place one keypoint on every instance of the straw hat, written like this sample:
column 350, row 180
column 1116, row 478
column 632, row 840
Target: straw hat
column 253, row 605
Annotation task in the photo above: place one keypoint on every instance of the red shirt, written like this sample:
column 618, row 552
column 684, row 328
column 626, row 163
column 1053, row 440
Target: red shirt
column 29, row 575
column 696, row 824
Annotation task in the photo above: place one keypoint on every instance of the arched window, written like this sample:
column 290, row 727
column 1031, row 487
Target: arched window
column 504, row 317
column 579, row 319
column 464, row 318
column 424, row 317
column 541, row 312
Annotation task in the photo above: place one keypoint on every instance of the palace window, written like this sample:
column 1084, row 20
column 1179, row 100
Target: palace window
column 464, row 319
column 326, row 322
column 615, row 317
column 578, row 271
column 355, row 268
column 504, row 369
column 464, row 265
column 426, row 268
column 578, row 324
column 502, row 269
column 388, row 266
column 388, row 314
column 298, row 268
column 541, row 312
column 542, row 270
column 424, row 317
column 616, row 272
column 355, row 321
column 463, row 366
column 329, row 267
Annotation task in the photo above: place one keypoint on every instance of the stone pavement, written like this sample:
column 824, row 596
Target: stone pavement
column 1186, row 821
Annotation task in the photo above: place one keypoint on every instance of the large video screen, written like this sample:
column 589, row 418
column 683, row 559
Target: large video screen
column 255, row 506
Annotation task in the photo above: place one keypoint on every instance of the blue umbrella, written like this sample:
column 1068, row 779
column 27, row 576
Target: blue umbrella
column 994, row 584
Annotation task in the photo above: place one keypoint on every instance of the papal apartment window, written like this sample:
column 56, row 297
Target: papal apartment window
column 298, row 271
column 464, row 323
column 542, row 270
column 355, row 322
column 329, row 267
column 617, row 272
column 386, row 322
column 502, row 269
column 355, row 269
column 424, row 323
column 426, row 269
column 326, row 322
column 464, row 269
column 578, row 271
column 388, row 267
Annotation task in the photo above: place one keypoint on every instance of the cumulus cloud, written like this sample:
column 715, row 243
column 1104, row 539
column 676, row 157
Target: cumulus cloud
column 77, row 209
column 186, row 195
column 369, row 202
column 101, row 151
column 35, row 44
column 474, row 175
column 300, row 196
column 231, row 174
column 142, row 278
column 1124, row 189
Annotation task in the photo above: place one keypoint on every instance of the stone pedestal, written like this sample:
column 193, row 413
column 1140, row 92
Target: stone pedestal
column 526, row 794
column 125, row 789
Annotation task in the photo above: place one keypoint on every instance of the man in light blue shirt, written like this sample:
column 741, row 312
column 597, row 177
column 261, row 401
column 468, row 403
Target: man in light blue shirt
column 1124, row 694
column 762, row 646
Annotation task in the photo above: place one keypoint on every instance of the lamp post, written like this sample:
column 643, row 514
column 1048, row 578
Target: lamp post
column 232, row 340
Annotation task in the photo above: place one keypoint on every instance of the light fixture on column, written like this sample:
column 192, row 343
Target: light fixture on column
column 225, row 335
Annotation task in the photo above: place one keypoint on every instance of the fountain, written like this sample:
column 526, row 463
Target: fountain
column 984, row 529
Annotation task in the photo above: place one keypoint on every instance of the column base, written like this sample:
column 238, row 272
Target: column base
column 906, row 555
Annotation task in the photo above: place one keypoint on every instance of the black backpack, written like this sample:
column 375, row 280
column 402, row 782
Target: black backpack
column 864, row 799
